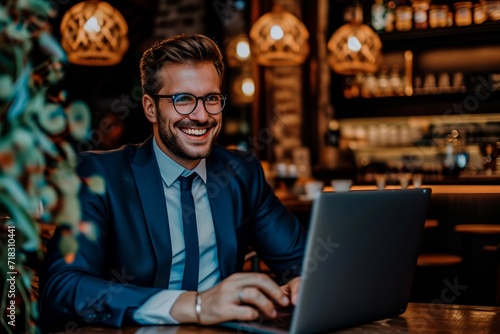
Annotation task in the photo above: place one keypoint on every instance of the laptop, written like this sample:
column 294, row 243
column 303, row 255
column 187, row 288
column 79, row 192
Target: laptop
column 361, row 254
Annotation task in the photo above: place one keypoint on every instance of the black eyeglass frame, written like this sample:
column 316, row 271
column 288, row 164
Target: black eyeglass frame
column 204, row 98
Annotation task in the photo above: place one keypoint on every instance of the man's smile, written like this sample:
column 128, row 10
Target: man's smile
column 194, row 131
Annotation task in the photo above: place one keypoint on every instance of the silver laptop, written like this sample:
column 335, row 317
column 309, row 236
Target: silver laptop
column 360, row 258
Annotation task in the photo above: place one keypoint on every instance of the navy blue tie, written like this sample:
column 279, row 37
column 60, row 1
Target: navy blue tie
column 192, row 261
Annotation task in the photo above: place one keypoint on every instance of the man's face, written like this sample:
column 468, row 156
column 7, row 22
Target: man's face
column 185, row 138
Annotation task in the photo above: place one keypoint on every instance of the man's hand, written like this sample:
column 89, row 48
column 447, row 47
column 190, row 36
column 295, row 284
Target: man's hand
column 291, row 289
column 241, row 296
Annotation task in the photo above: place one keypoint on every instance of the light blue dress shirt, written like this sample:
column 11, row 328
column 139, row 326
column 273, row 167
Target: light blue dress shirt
column 156, row 310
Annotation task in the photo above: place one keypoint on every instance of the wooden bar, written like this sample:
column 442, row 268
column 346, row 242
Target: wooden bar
column 418, row 318
column 439, row 189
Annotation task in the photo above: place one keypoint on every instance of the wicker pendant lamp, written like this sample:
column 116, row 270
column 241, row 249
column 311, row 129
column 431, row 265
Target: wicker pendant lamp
column 354, row 47
column 94, row 33
column 279, row 39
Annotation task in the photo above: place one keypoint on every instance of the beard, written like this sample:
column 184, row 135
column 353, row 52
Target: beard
column 175, row 145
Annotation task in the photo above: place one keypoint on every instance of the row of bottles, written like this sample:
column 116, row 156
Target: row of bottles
column 439, row 83
column 392, row 83
column 491, row 157
column 402, row 133
column 383, row 83
column 380, row 135
column 388, row 16
column 442, row 150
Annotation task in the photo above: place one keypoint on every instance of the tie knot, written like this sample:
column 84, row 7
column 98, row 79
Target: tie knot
column 187, row 181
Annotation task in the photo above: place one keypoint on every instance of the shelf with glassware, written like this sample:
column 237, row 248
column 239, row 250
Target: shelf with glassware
column 434, row 81
column 475, row 34
column 420, row 22
column 432, row 94
column 429, row 145
column 430, row 68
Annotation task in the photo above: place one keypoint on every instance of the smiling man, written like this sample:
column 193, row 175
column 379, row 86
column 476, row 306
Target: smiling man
column 186, row 123
column 177, row 217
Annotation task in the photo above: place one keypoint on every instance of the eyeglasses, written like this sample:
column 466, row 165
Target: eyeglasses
column 185, row 103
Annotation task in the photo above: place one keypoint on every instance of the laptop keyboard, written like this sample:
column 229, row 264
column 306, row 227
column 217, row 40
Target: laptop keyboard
column 282, row 320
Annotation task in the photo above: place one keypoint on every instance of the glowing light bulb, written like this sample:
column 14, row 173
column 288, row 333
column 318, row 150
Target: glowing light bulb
column 277, row 32
column 92, row 25
column 248, row 87
column 243, row 49
column 353, row 44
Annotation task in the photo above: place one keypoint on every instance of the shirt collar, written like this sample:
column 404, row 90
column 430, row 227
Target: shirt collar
column 170, row 170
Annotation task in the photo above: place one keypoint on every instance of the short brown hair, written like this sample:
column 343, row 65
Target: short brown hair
column 179, row 49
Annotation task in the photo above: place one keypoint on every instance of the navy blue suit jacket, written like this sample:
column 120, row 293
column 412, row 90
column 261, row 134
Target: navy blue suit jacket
column 130, row 259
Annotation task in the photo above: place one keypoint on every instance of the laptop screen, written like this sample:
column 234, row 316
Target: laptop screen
column 360, row 258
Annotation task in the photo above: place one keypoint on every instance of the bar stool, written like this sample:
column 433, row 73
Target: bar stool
column 437, row 259
column 495, row 251
column 432, row 271
column 485, row 233
column 428, row 260
column 431, row 223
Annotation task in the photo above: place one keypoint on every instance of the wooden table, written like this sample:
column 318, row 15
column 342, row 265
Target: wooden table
column 418, row 318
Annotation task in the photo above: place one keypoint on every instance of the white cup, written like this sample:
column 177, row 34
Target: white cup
column 341, row 185
column 380, row 179
column 281, row 169
column 417, row 180
column 313, row 188
column 404, row 179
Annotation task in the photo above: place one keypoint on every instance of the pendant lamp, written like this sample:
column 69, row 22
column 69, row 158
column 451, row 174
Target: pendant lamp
column 94, row 33
column 279, row 38
column 238, row 51
column 355, row 47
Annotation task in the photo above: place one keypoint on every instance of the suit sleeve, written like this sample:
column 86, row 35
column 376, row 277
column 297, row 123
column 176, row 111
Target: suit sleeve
column 85, row 292
column 278, row 238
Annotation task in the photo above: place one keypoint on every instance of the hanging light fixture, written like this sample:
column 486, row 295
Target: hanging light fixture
column 238, row 51
column 94, row 33
column 279, row 39
column 355, row 47
column 243, row 89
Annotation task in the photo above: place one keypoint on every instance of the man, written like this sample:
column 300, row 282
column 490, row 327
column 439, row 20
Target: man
column 135, row 270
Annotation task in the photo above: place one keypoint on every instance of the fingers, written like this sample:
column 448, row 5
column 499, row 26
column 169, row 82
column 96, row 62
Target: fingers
column 256, row 298
column 242, row 296
column 294, row 290
column 245, row 313
column 261, row 283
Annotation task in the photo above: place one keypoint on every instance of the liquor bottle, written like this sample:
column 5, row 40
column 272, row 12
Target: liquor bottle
column 379, row 12
column 390, row 16
column 489, row 158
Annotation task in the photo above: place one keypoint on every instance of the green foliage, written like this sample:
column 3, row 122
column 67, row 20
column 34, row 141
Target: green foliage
column 38, row 184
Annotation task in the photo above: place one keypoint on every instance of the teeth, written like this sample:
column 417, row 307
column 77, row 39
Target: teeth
column 195, row 132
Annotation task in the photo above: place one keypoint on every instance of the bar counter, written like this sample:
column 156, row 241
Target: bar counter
column 450, row 204
column 440, row 189
column 418, row 318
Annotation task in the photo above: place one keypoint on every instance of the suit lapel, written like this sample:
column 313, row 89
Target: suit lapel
column 220, row 195
column 149, row 186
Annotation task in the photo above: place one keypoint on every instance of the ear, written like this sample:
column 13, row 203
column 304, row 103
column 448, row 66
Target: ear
column 149, row 106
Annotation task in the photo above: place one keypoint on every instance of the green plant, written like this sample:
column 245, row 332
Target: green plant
column 38, row 129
